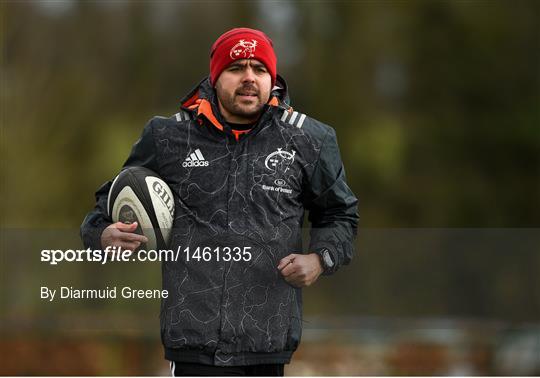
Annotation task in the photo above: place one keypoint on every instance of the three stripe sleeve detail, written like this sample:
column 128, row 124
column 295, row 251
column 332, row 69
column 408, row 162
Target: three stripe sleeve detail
column 294, row 118
column 183, row 116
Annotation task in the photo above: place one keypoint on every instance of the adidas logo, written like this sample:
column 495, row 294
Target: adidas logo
column 196, row 159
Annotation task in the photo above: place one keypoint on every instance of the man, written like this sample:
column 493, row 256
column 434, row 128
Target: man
column 243, row 167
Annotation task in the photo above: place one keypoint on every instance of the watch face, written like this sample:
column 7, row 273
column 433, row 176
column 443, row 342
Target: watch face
column 328, row 259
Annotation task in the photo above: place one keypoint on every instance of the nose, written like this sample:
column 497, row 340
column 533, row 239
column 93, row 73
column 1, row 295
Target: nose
column 249, row 75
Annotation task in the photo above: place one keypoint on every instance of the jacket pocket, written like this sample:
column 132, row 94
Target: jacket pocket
column 295, row 325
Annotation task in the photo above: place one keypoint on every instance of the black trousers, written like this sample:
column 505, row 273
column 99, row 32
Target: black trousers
column 179, row 369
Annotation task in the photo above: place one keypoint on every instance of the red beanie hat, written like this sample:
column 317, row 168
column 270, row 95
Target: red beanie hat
column 242, row 43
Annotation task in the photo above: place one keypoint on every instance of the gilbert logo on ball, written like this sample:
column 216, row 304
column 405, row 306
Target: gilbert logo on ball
column 163, row 194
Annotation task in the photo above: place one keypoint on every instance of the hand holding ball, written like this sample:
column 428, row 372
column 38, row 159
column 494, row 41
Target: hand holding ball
column 122, row 235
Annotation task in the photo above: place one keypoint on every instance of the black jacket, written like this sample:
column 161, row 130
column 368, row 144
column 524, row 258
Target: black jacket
column 250, row 192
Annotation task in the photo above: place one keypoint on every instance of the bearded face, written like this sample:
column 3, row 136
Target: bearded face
column 243, row 89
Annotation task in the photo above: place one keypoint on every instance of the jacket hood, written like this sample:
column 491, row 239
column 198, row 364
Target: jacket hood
column 204, row 90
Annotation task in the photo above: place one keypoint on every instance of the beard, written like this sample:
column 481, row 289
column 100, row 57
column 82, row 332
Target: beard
column 245, row 102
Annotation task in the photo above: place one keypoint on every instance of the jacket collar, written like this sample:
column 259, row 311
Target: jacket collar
column 202, row 101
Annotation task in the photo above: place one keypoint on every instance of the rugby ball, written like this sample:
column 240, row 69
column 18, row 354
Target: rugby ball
column 139, row 195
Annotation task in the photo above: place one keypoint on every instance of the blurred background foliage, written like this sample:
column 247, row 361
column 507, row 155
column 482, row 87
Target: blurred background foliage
column 436, row 105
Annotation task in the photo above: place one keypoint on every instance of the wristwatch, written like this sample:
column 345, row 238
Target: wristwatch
column 327, row 260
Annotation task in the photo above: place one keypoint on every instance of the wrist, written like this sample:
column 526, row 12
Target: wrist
column 326, row 260
column 317, row 261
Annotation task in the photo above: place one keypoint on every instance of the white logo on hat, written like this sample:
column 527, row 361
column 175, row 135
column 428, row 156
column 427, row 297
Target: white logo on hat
column 243, row 49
